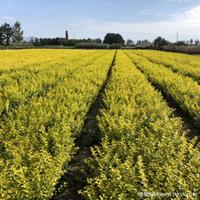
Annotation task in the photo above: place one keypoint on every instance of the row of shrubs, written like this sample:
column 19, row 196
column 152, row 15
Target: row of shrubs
column 182, row 49
column 97, row 46
column 170, row 48
column 16, row 46
column 29, row 46
column 78, row 46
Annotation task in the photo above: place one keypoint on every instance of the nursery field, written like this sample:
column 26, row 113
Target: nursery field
column 99, row 124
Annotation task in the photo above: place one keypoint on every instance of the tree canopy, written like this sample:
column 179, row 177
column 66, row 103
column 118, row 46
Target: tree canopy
column 10, row 33
column 159, row 41
column 5, row 33
column 113, row 38
column 17, row 36
column 129, row 42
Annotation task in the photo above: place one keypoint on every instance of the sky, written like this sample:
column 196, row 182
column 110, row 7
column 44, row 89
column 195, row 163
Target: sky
column 134, row 19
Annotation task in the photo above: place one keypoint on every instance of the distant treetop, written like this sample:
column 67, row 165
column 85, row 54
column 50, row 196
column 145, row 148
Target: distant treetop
column 113, row 38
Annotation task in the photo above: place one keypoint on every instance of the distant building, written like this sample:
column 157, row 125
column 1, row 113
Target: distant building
column 66, row 35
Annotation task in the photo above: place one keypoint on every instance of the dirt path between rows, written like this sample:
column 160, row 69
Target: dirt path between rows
column 76, row 178
column 188, row 124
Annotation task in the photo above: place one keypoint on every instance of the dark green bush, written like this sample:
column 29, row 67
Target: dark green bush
column 91, row 46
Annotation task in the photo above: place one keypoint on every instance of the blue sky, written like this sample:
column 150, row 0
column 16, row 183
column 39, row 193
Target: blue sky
column 135, row 19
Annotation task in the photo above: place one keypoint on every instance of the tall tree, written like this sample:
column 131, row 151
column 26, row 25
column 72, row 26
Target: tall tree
column 197, row 42
column 112, row 38
column 17, row 36
column 7, row 33
column 159, row 41
column 1, row 35
column 129, row 42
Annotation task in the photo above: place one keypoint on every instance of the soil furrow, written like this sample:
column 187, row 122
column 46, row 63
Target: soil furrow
column 76, row 176
column 188, row 123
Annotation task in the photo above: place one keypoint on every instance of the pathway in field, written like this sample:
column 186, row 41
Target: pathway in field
column 178, row 112
column 90, row 135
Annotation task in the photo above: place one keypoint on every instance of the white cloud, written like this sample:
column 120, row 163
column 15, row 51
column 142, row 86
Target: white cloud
column 193, row 14
column 187, row 24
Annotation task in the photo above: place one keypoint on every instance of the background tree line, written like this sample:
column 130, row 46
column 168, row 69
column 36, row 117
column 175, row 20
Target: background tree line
column 110, row 38
column 62, row 41
column 114, row 39
column 11, row 34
